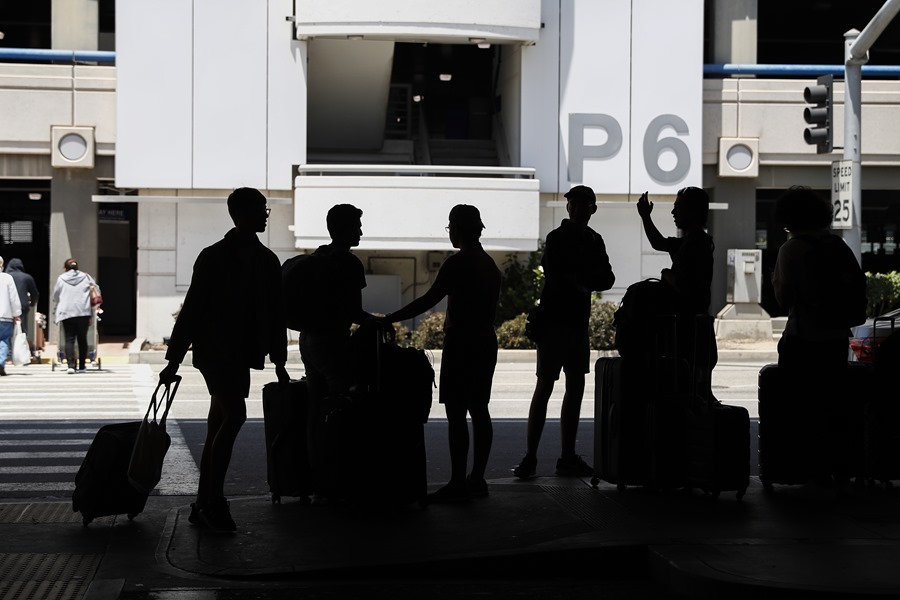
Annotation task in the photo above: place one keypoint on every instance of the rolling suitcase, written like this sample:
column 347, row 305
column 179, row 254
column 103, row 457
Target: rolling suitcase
column 287, row 457
column 620, row 438
column 793, row 424
column 786, row 446
column 377, row 443
column 882, row 413
column 717, row 450
column 101, row 484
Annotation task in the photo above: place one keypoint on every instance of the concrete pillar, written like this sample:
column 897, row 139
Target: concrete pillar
column 73, row 224
column 75, row 24
column 734, row 31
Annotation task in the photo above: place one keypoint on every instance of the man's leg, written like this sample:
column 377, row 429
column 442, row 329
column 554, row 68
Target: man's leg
column 571, row 412
column 205, row 491
column 483, row 438
column 233, row 411
column 6, row 329
column 458, row 438
column 70, row 331
column 537, row 414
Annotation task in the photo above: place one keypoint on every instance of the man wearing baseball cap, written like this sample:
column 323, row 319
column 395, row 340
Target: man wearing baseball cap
column 575, row 264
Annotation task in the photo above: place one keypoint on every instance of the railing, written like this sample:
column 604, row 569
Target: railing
column 797, row 70
column 416, row 171
column 37, row 54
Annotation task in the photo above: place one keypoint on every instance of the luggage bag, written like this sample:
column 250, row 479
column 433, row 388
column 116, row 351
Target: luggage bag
column 287, row 457
column 718, row 449
column 101, row 484
column 792, row 425
column 376, row 444
column 621, row 454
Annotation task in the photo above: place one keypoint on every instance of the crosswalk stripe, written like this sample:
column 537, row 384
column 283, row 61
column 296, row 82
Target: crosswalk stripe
column 50, row 469
column 38, row 455
column 45, row 442
column 62, row 486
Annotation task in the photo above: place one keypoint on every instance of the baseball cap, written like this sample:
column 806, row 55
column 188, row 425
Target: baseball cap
column 582, row 192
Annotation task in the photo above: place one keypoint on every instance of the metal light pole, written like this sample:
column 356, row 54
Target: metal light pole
column 856, row 54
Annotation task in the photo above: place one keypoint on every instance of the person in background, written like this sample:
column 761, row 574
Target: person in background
column 575, row 265
column 232, row 317
column 28, row 292
column 72, row 295
column 689, row 279
column 10, row 311
column 470, row 280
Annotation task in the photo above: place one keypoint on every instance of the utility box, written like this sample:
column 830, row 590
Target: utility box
column 744, row 277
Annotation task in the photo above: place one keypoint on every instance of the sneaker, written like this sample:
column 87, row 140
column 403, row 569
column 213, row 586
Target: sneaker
column 478, row 488
column 216, row 517
column 573, row 466
column 527, row 468
column 82, row 370
column 452, row 493
column 70, row 371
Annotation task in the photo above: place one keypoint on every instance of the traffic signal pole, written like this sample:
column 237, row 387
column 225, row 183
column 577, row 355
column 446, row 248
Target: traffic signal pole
column 856, row 54
column 852, row 142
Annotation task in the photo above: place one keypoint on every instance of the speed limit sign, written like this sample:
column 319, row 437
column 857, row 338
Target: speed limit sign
column 841, row 194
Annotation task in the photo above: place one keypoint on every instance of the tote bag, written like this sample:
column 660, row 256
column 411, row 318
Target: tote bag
column 152, row 443
column 21, row 355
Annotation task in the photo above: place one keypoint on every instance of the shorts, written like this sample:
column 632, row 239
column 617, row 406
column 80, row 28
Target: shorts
column 227, row 380
column 467, row 367
column 563, row 348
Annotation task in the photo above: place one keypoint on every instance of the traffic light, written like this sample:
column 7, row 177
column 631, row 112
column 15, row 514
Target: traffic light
column 819, row 114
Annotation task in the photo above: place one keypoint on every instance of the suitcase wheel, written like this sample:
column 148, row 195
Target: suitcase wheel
column 740, row 493
column 276, row 499
column 131, row 516
column 620, row 487
column 86, row 521
column 767, row 485
column 595, row 481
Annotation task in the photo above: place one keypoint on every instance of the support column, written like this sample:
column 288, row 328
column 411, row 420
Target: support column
column 734, row 31
column 73, row 224
column 75, row 24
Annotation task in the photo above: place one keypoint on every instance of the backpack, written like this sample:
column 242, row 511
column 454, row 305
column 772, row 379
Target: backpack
column 635, row 319
column 301, row 283
column 836, row 297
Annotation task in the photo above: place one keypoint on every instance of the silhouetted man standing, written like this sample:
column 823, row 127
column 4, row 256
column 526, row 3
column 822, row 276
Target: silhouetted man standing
column 233, row 316
column 575, row 265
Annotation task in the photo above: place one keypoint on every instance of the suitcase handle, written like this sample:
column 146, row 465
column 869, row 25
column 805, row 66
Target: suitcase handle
column 156, row 402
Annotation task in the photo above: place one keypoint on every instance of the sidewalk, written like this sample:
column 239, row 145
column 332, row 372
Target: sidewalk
column 795, row 542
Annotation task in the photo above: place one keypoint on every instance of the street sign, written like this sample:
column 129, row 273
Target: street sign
column 841, row 194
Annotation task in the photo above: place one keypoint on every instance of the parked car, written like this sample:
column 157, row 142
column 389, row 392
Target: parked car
column 866, row 338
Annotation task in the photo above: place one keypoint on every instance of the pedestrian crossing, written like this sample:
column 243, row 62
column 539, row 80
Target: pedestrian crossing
column 49, row 418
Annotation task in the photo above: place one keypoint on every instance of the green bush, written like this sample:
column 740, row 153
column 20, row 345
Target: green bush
column 520, row 285
column 511, row 334
column 602, row 331
column 430, row 332
column 883, row 292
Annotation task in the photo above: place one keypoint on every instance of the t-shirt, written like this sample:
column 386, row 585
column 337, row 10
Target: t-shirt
column 342, row 281
column 575, row 264
column 471, row 281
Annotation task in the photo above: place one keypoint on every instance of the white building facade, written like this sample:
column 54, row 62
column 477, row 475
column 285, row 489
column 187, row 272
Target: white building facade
column 404, row 109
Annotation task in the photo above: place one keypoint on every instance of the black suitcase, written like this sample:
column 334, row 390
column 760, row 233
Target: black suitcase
column 786, row 444
column 718, row 449
column 287, row 457
column 621, row 454
column 794, row 423
column 882, row 414
column 376, row 444
column 101, row 484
